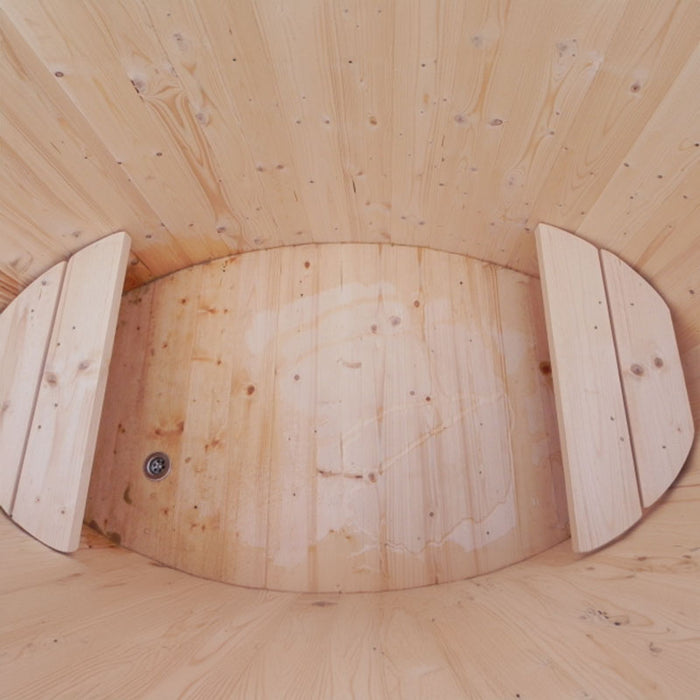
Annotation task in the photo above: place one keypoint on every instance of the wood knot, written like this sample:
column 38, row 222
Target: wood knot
column 637, row 370
column 658, row 362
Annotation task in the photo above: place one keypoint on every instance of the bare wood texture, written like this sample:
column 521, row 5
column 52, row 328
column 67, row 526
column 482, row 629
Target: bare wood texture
column 25, row 327
column 601, row 485
column 60, row 187
column 53, row 482
column 214, row 127
column 658, row 412
column 105, row 622
column 340, row 417
column 600, row 100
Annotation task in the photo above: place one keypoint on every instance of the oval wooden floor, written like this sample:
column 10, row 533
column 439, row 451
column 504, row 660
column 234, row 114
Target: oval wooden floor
column 339, row 417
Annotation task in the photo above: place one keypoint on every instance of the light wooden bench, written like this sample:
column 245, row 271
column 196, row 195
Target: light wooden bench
column 623, row 412
column 55, row 346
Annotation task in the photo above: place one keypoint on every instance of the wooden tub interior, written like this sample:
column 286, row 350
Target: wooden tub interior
column 403, row 298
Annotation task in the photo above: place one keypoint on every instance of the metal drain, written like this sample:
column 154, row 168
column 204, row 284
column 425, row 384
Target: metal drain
column 157, row 465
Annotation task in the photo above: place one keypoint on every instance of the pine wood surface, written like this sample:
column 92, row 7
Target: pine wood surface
column 107, row 623
column 339, row 417
column 218, row 127
column 656, row 398
column 56, row 465
column 600, row 100
column 25, row 327
column 601, row 483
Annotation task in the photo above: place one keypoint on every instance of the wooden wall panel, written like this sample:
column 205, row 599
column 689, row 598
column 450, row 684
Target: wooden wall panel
column 113, row 69
column 561, row 624
column 348, row 417
column 61, row 188
column 208, row 128
column 648, row 211
column 25, row 328
column 618, row 106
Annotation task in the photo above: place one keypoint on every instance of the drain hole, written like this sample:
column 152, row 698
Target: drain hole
column 157, row 465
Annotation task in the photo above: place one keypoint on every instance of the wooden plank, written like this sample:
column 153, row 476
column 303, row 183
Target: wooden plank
column 469, row 322
column 114, row 71
column 654, row 191
column 658, row 410
column 161, row 320
column 597, row 455
column 56, row 469
column 291, row 531
column 650, row 47
column 25, row 327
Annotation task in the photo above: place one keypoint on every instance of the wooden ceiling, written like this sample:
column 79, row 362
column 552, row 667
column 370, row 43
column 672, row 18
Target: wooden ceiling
column 207, row 128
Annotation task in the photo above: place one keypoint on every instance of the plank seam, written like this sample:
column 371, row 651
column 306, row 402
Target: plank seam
column 606, row 286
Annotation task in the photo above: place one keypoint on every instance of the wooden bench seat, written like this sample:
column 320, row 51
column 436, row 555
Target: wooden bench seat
column 61, row 427
column 623, row 413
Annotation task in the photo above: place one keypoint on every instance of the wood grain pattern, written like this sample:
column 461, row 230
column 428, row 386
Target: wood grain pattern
column 25, row 328
column 642, row 212
column 212, row 128
column 658, row 412
column 601, row 485
column 615, row 80
column 665, row 39
column 52, row 156
column 348, row 417
column 110, row 617
column 541, row 497
column 53, row 483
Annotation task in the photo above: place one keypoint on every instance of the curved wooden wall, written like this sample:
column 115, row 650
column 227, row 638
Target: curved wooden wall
column 221, row 126
column 339, row 417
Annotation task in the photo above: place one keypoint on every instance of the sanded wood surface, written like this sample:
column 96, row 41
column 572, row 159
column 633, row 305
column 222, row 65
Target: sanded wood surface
column 601, row 485
column 105, row 622
column 25, row 327
column 658, row 411
column 53, row 483
column 339, row 417
column 215, row 127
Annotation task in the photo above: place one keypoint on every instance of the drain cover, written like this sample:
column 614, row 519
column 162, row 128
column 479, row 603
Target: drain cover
column 157, row 465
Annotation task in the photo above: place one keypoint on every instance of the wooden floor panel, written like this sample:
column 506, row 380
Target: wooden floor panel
column 340, row 417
